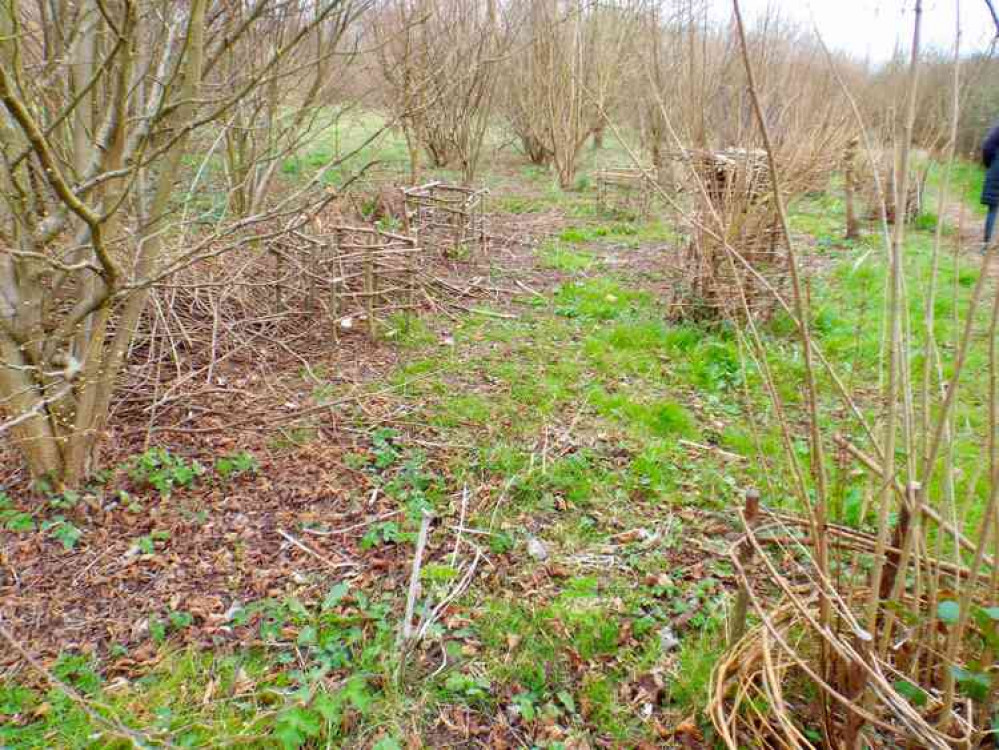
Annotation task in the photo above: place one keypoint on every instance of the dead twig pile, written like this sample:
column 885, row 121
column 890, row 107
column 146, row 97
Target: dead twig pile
column 889, row 688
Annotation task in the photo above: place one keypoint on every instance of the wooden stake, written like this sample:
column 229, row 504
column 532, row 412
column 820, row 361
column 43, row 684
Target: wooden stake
column 850, row 189
column 750, row 515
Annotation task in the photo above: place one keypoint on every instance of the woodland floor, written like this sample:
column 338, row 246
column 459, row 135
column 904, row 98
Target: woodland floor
column 582, row 457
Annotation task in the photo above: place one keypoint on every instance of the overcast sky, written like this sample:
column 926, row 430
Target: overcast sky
column 870, row 29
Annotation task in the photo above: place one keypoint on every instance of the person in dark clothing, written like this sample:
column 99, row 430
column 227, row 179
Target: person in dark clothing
column 990, row 190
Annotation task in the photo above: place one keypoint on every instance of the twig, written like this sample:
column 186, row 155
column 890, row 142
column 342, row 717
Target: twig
column 309, row 551
column 114, row 726
column 453, row 594
column 461, row 525
column 354, row 527
column 712, row 449
column 90, row 565
column 414, row 578
column 485, row 313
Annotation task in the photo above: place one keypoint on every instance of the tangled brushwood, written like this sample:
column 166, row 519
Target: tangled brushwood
column 812, row 674
column 880, row 630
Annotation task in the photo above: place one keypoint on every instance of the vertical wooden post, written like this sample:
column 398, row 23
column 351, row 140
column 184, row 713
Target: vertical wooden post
column 413, row 252
column 750, row 516
column 369, row 284
column 850, row 189
column 483, row 236
column 856, row 683
column 333, row 244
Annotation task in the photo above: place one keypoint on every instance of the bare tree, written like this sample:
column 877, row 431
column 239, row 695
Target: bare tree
column 560, row 88
column 439, row 61
column 276, row 119
column 101, row 100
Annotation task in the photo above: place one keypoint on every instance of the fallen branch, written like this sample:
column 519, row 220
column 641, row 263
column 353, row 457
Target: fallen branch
column 354, row 527
column 115, row 727
column 414, row 577
column 711, row 449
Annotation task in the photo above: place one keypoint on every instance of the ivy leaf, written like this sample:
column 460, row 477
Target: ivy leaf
column 948, row 612
column 387, row 743
column 911, row 692
column 336, row 595
column 566, row 698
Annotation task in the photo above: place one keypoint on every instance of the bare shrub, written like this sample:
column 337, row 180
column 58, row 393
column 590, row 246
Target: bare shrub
column 92, row 214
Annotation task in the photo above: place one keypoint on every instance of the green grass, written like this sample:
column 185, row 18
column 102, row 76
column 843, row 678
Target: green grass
column 570, row 423
column 967, row 179
column 558, row 257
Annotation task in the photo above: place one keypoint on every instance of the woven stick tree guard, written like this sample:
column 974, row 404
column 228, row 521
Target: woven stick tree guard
column 625, row 191
column 448, row 218
column 372, row 273
column 886, row 171
column 735, row 210
column 349, row 273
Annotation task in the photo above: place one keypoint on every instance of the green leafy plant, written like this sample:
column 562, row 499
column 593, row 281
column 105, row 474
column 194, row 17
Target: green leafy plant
column 236, row 464
column 304, row 721
column 147, row 544
column 161, row 470
column 180, row 619
column 13, row 519
column 336, row 595
column 297, row 725
column 501, row 542
column 66, row 500
column 386, row 453
column 468, row 687
column 438, row 573
column 381, row 533
column 526, row 704
column 63, row 531
column 175, row 620
column 131, row 504
column 911, row 692
column 973, row 683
